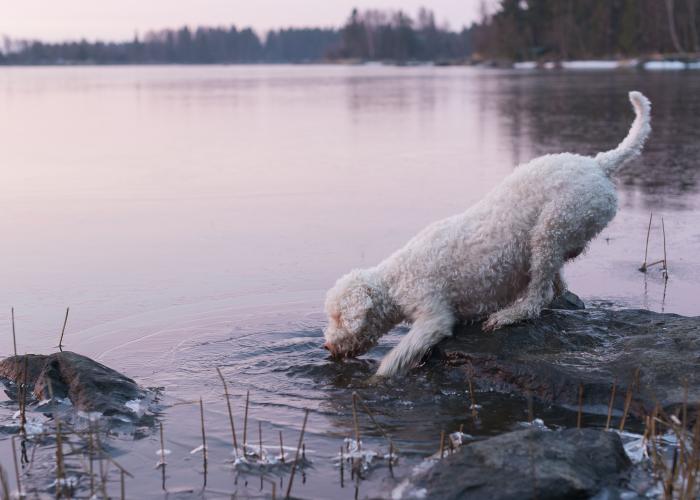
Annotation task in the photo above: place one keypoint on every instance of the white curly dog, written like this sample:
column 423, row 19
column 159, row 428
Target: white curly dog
column 500, row 259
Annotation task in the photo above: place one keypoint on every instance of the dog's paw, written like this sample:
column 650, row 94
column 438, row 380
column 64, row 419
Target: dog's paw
column 496, row 321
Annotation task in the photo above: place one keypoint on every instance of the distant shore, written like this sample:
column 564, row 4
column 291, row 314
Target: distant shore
column 659, row 63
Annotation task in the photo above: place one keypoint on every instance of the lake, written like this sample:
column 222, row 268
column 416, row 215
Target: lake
column 193, row 217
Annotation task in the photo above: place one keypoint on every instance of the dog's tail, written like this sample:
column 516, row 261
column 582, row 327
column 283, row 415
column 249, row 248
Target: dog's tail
column 631, row 147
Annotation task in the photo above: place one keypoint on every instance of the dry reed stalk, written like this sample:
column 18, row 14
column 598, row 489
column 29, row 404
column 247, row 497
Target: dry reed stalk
column 391, row 458
column 4, row 484
column 671, row 480
column 303, row 452
column 228, row 406
column 371, row 416
column 355, row 422
column 610, row 405
column 342, row 467
column 245, row 422
column 442, row 443
column 63, row 330
column 628, row 401
column 204, row 440
column 693, row 466
column 14, row 459
column 281, row 448
column 23, row 402
column 162, row 455
column 646, row 247
column 121, row 480
column 663, row 230
column 530, row 409
column 296, row 456
column 60, row 466
column 91, row 452
column 14, row 336
column 260, row 439
column 472, row 398
column 580, row 406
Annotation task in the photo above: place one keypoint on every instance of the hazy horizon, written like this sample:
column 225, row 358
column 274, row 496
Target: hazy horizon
column 116, row 20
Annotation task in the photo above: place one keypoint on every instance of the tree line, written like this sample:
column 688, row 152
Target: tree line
column 370, row 35
column 580, row 29
column 202, row 45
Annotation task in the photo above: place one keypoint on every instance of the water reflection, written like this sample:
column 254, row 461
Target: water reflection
column 193, row 217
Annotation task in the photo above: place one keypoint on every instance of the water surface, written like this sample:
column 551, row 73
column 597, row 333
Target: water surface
column 193, row 217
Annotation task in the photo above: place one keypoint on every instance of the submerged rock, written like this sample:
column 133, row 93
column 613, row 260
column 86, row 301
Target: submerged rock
column 532, row 463
column 90, row 386
column 654, row 355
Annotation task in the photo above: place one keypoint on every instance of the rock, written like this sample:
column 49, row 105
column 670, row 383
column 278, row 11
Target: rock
column 568, row 301
column 90, row 386
column 531, row 463
column 652, row 354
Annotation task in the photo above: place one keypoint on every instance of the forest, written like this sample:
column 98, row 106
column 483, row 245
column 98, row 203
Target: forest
column 583, row 29
column 509, row 30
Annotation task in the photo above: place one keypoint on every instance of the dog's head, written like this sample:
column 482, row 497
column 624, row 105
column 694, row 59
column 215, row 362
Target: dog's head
column 354, row 307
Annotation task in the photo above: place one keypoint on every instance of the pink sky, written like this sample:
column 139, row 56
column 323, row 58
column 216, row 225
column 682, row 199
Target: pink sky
column 119, row 19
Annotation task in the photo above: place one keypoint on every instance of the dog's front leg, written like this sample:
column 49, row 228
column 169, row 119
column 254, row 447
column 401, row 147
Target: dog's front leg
column 426, row 331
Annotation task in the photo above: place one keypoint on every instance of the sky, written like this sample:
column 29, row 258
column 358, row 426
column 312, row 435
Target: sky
column 55, row 20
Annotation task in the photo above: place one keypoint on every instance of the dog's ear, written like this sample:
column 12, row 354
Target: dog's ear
column 355, row 306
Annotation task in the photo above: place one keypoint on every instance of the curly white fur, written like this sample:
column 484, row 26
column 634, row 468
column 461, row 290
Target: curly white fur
column 500, row 260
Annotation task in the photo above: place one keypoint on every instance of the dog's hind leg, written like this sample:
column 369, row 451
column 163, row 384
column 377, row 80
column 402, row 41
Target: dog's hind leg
column 559, row 285
column 427, row 330
column 552, row 239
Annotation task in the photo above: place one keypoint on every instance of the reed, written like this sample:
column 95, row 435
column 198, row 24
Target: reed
column 530, row 407
column 260, row 453
column 342, row 467
column 646, row 247
column 663, row 231
column 162, row 455
column 90, row 460
column 281, row 448
column 442, row 443
column 63, row 330
column 372, row 418
column 610, row 405
column 121, row 484
column 628, row 401
column 580, row 406
column 230, row 413
column 355, row 422
column 23, row 401
column 245, row 422
column 296, row 456
column 391, row 458
column 14, row 336
column 60, row 465
column 204, row 440
column 4, row 484
column 14, row 459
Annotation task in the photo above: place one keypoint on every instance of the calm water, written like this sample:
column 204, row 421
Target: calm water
column 193, row 217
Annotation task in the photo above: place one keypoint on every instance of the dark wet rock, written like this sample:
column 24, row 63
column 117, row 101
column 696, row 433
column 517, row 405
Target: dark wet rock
column 90, row 386
column 652, row 354
column 568, row 301
column 531, row 463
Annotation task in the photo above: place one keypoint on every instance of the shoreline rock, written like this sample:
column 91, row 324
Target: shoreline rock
column 531, row 463
column 655, row 355
column 90, row 386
